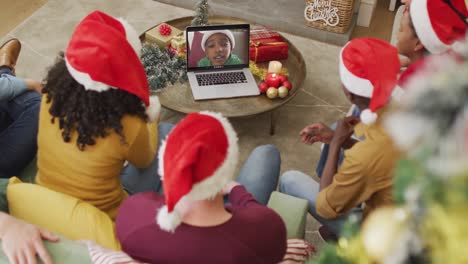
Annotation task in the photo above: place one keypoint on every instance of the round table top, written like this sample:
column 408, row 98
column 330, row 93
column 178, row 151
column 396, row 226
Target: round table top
column 178, row 97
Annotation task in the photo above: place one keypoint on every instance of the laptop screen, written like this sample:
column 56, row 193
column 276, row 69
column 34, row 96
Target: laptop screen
column 218, row 47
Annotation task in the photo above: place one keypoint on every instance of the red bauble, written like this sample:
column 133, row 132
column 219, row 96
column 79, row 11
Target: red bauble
column 165, row 30
column 263, row 87
column 288, row 85
column 282, row 78
column 272, row 80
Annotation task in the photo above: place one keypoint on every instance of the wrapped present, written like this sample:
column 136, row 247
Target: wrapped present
column 180, row 53
column 267, row 50
column 179, row 42
column 162, row 35
column 263, row 33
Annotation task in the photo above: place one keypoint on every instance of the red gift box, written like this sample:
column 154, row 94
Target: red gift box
column 267, row 50
column 259, row 33
column 267, row 45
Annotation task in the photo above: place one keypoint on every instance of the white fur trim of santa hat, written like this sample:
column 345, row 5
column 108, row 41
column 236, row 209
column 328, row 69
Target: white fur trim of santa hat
column 132, row 36
column 353, row 83
column 422, row 24
column 208, row 34
column 154, row 109
column 368, row 117
column 207, row 188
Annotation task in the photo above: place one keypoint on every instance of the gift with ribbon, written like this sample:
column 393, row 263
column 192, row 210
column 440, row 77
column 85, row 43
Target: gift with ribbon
column 266, row 45
column 162, row 35
column 267, row 50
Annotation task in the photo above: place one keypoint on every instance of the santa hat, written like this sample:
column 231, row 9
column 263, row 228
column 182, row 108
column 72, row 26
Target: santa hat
column 438, row 25
column 103, row 54
column 369, row 68
column 210, row 33
column 197, row 159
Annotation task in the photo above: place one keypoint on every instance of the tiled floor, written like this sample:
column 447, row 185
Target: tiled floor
column 46, row 32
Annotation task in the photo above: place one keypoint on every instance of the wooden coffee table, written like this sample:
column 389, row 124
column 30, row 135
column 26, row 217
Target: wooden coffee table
column 179, row 96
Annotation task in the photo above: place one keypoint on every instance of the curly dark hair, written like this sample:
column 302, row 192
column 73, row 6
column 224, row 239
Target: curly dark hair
column 91, row 114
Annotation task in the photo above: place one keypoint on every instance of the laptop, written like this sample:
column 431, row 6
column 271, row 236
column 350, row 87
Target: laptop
column 218, row 61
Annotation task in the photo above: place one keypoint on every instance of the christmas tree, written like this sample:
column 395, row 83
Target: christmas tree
column 161, row 68
column 428, row 222
column 201, row 14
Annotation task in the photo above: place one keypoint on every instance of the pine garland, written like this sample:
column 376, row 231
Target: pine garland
column 201, row 13
column 161, row 68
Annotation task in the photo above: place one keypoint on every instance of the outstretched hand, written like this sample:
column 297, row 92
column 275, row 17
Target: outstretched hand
column 344, row 129
column 21, row 242
column 316, row 132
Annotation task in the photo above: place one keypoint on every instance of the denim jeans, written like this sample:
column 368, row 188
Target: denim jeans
column 18, row 131
column 137, row 180
column 260, row 173
column 301, row 185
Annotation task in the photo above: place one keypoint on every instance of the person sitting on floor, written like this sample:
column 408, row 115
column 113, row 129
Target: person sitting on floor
column 96, row 115
column 430, row 27
column 19, row 112
column 368, row 71
column 191, row 223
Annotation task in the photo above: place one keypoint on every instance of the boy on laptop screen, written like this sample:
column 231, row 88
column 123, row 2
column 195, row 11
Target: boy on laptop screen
column 218, row 58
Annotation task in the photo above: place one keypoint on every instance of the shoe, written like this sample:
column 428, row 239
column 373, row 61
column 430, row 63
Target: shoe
column 9, row 53
column 327, row 235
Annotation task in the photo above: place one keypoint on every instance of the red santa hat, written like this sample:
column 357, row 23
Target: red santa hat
column 103, row 54
column 197, row 159
column 208, row 34
column 437, row 24
column 369, row 67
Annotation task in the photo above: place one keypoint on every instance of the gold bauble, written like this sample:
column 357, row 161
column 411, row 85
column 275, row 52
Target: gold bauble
column 272, row 93
column 283, row 92
column 381, row 231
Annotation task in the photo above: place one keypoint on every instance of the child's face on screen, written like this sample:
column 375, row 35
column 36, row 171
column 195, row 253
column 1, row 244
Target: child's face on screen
column 218, row 49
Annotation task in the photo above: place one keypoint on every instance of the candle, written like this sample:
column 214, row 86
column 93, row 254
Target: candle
column 274, row 66
column 272, row 80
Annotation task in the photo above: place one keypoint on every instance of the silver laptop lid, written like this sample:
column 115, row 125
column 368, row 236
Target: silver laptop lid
column 218, row 47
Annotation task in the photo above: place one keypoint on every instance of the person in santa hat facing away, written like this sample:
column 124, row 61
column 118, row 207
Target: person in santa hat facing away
column 368, row 71
column 96, row 114
column 190, row 223
column 430, row 28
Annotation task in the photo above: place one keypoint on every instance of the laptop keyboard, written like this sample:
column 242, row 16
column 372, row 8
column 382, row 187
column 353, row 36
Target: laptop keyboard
column 220, row 78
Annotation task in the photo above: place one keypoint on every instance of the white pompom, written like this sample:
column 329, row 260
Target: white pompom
column 168, row 221
column 368, row 117
column 154, row 109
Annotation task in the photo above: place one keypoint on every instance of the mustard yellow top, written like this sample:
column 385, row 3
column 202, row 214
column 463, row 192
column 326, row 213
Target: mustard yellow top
column 92, row 175
column 365, row 176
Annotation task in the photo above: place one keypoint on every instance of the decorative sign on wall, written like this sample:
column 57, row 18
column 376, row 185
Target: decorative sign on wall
column 330, row 15
column 322, row 10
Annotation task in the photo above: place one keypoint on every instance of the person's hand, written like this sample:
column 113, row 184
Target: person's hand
column 34, row 85
column 21, row 242
column 344, row 129
column 404, row 61
column 316, row 132
column 229, row 186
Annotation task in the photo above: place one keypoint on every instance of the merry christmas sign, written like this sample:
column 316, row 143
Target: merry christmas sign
column 322, row 10
column 331, row 15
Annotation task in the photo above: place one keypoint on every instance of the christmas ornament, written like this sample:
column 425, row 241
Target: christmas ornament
column 165, row 30
column 382, row 230
column 282, row 78
column 272, row 80
column 272, row 93
column 263, row 87
column 287, row 84
column 261, row 72
column 283, row 92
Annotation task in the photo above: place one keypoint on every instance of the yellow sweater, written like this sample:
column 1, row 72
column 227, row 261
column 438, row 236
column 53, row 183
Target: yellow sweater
column 92, row 175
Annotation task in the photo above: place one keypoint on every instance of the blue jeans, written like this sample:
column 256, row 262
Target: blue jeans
column 18, row 131
column 137, row 180
column 301, row 185
column 260, row 172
